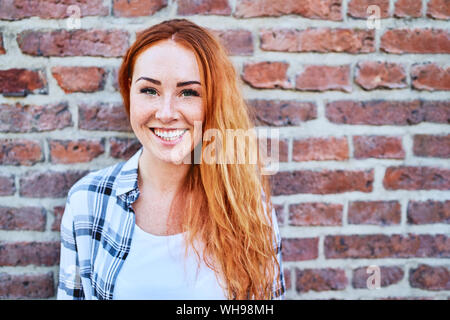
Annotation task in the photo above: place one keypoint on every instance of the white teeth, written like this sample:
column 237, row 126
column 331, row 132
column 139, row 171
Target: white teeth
column 170, row 134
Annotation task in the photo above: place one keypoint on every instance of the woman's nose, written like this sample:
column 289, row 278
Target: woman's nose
column 166, row 111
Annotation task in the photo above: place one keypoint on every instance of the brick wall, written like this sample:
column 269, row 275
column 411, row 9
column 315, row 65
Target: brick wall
column 363, row 116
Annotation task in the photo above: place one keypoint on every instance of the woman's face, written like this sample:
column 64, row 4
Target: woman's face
column 166, row 101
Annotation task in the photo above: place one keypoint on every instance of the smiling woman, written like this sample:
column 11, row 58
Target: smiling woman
column 159, row 226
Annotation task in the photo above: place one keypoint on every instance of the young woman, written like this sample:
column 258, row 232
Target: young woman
column 164, row 225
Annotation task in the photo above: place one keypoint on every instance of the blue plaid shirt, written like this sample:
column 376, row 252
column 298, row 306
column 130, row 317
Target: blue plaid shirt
column 97, row 228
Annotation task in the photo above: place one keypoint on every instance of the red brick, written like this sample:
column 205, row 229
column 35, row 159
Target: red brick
column 58, row 212
column 321, row 182
column 7, row 185
column 137, row 8
column 325, row 279
column 375, row 246
column 416, row 178
column 266, row 75
column 315, row 214
column 48, row 184
column 322, row 78
column 358, row 8
column 374, row 212
column 430, row 77
column 24, row 218
column 408, row 8
column 431, row 146
column 237, row 42
column 266, row 147
column 281, row 112
column 50, row 9
column 406, row 298
column 103, row 116
column 279, row 212
column 438, row 9
column 29, row 253
column 34, row 118
column 20, row 152
column 426, row 277
column 381, row 112
column 79, row 42
column 287, row 278
column 79, row 79
column 317, row 149
column 204, row 7
column 2, row 48
column 21, row 82
column 31, row 286
column 123, row 148
column 415, row 41
column 372, row 75
column 388, row 276
column 428, row 212
column 300, row 249
column 69, row 151
column 380, row 147
column 318, row 40
column 115, row 79
column 325, row 10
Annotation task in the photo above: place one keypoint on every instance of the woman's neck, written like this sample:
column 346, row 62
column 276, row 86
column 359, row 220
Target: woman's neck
column 160, row 176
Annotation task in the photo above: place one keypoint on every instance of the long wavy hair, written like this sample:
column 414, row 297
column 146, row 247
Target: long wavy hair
column 227, row 207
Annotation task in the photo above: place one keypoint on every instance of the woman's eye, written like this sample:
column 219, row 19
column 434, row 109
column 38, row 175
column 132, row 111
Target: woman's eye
column 191, row 92
column 148, row 90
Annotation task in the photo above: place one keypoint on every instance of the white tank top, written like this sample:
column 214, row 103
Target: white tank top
column 156, row 269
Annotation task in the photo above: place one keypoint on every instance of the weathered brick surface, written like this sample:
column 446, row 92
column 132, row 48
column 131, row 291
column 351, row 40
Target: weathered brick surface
column 428, row 277
column 382, row 112
column 320, row 280
column 315, row 214
column 27, row 286
column 322, row 78
column 430, row 77
column 431, row 146
column 376, row 246
column 299, row 249
column 372, row 75
column 408, row 8
column 415, row 41
column 237, row 42
column 7, row 185
column 69, row 151
column 205, row 7
column 79, row 79
column 21, row 82
column 67, row 43
column 416, row 178
column 22, row 118
column 24, row 218
column 51, row 184
column 103, row 116
column 438, row 9
column 29, row 253
column 20, row 152
column 281, row 112
column 378, row 147
column 49, row 9
column 267, row 74
column 359, row 8
column 318, row 40
column 327, row 10
column 374, row 212
column 310, row 149
column 321, row 182
column 388, row 276
column 428, row 212
column 137, row 8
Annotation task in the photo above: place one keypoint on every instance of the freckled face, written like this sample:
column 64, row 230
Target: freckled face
column 166, row 101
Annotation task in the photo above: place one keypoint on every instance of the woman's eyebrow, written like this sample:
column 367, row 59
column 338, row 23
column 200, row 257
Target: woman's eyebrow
column 179, row 84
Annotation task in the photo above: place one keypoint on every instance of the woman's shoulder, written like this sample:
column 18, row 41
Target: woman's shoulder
column 91, row 182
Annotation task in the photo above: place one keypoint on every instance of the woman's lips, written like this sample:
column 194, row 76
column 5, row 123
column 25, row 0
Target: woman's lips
column 168, row 140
